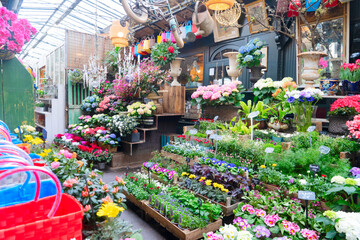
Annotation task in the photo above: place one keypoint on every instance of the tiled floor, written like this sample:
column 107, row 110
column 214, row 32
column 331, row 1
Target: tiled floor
column 150, row 229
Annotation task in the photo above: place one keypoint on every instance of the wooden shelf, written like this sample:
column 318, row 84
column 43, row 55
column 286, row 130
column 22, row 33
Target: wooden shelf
column 168, row 114
column 147, row 129
column 41, row 112
column 334, row 97
column 132, row 143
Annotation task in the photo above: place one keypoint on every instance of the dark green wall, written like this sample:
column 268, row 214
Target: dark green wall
column 16, row 94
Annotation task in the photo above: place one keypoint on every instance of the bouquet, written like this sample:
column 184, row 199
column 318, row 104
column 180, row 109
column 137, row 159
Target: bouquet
column 250, row 55
column 350, row 71
column 164, row 52
column 14, row 32
column 218, row 95
column 139, row 109
column 347, row 106
column 302, row 103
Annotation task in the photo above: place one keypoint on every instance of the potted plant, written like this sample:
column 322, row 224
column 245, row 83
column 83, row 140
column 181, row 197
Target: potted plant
column 222, row 101
column 248, row 108
column 76, row 76
column 15, row 33
column 40, row 106
column 144, row 112
column 350, row 74
column 122, row 125
column 265, row 88
column 341, row 111
column 328, row 85
column 277, row 120
column 133, row 137
column 250, row 56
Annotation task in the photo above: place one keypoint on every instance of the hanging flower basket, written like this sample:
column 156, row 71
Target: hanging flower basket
column 6, row 55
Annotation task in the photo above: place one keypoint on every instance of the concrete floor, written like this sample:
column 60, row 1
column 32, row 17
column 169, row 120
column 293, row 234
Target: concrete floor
column 150, row 230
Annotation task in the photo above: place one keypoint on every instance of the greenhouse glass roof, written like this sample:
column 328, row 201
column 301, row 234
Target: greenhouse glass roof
column 52, row 17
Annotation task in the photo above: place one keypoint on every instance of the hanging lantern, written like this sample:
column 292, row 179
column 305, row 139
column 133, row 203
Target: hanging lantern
column 118, row 34
column 219, row 5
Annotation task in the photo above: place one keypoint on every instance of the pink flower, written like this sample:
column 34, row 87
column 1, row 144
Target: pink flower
column 107, row 199
column 215, row 96
column 87, row 208
column 55, row 165
column 115, row 190
column 105, row 188
column 260, row 213
column 310, row 234
column 207, row 95
column 70, row 182
column 271, row 220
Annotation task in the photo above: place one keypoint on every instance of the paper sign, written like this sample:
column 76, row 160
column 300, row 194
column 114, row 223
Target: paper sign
column 211, row 71
column 253, row 114
column 306, row 195
column 213, row 136
column 216, row 118
column 200, row 202
column 311, row 128
column 208, row 132
column 269, row 150
column 193, row 131
column 149, row 164
column 324, row 150
column 314, row 167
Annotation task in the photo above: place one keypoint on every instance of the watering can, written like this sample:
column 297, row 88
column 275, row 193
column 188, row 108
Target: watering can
column 202, row 20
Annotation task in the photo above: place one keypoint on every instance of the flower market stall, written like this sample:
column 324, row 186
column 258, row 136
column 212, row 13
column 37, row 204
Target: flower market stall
column 214, row 120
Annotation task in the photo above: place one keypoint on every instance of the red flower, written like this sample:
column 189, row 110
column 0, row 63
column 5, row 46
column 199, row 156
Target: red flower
column 157, row 187
column 164, row 58
column 171, row 49
column 151, row 188
column 357, row 62
column 323, row 175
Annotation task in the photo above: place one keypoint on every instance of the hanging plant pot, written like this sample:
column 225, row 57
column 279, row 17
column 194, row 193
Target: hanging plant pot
column 6, row 54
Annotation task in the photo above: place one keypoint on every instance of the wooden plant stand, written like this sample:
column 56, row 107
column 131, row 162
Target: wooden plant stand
column 178, row 158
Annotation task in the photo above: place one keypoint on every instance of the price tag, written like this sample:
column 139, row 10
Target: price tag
column 314, row 168
column 324, row 150
column 306, row 195
column 193, row 131
column 253, row 114
column 200, row 202
column 216, row 118
column 209, row 132
column 196, row 124
column 149, row 165
column 269, row 150
column 311, row 129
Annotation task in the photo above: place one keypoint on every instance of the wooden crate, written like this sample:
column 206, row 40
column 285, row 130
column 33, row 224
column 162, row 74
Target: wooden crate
column 178, row 158
column 183, row 234
column 131, row 198
column 156, row 177
column 226, row 209
column 174, row 100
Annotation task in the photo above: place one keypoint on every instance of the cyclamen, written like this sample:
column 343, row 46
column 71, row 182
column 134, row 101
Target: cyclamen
column 309, row 234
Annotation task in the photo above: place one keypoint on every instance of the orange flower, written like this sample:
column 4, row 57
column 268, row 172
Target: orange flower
column 105, row 188
column 115, row 190
column 120, row 180
column 277, row 92
column 107, row 199
column 80, row 163
column 74, row 155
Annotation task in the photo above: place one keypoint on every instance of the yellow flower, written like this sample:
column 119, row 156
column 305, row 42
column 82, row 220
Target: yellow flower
column 109, row 209
column 263, row 166
column 192, row 176
column 184, row 174
column 226, row 190
column 208, row 182
column 56, row 159
column 274, row 165
column 37, row 141
column 43, row 154
column 47, row 150
column 215, row 185
column 28, row 138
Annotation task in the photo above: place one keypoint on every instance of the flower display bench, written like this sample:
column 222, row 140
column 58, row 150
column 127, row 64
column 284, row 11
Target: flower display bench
column 227, row 208
column 156, row 177
column 131, row 198
column 178, row 158
column 183, row 234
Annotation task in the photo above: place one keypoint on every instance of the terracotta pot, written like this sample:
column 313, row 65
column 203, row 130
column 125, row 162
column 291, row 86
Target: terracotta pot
column 310, row 71
column 225, row 112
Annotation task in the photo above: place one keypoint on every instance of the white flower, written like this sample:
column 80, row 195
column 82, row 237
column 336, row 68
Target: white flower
column 357, row 181
column 349, row 224
column 338, row 180
column 244, row 235
column 229, row 232
column 303, row 181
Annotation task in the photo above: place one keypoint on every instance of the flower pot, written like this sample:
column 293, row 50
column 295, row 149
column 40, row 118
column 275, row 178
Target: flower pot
column 225, row 112
column 303, row 114
column 261, row 122
column 102, row 165
column 175, row 70
column 6, row 54
column 133, row 137
column 40, row 109
column 232, row 69
column 351, row 88
column 310, row 71
column 278, row 126
column 255, row 73
column 111, row 149
column 155, row 98
column 277, row 139
column 147, row 122
column 329, row 86
column 337, row 124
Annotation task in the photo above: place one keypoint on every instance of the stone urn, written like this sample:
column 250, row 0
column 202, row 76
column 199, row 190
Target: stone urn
column 311, row 65
column 175, row 71
column 256, row 73
column 232, row 69
column 156, row 99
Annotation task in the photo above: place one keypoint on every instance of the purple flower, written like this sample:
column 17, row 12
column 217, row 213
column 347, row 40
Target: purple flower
column 291, row 180
column 290, row 99
column 112, row 135
column 243, row 224
column 261, row 231
column 310, row 99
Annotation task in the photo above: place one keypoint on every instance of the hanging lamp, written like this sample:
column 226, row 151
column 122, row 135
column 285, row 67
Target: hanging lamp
column 219, row 5
column 118, row 34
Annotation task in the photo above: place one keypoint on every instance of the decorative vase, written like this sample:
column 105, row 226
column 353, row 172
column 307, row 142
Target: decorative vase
column 232, row 69
column 155, row 98
column 6, row 54
column 255, row 73
column 337, row 124
column 329, row 86
column 278, row 126
column 310, row 71
column 225, row 112
column 351, row 88
column 175, row 70
column 303, row 114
